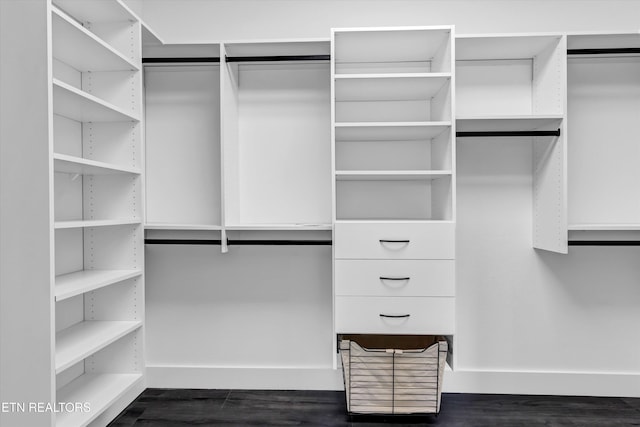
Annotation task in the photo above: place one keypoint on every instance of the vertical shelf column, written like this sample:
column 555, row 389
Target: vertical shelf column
column 394, row 183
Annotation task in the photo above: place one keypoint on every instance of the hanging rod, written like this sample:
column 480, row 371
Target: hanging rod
column 604, row 242
column 176, row 60
column 509, row 133
column 603, row 51
column 262, row 242
column 278, row 58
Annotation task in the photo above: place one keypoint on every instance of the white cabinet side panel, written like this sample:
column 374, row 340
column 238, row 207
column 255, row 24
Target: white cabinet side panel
column 26, row 217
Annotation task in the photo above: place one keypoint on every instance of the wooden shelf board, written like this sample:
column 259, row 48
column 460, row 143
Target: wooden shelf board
column 74, row 45
column 389, row 131
column 79, row 282
column 75, row 104
column 511, row 46
column 409, row 175
column 95, row 223
column 83, row 339
column 389, row 87
column 96, row 11
column 509, row 123
column 172, row 226
column 72, row 164
column 278, row 227
column 98, row 390
column 604, row 227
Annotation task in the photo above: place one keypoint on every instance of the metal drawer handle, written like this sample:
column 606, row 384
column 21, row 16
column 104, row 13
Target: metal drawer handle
column 395, row 278
column 395, row 316
column 405, row 241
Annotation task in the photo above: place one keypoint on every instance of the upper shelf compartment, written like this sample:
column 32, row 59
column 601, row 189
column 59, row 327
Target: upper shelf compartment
column 74, row 45
column 503, row 76
column 390, row 50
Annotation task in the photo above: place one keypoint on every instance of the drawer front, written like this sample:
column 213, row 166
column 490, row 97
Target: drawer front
column 395, row 241
column 395, row 277
column 381, row 315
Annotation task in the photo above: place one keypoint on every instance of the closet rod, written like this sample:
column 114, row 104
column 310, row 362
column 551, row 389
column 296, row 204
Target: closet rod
column 278, row 58
column 174, row 60
column 243, row 242
column 603, row 51
column 604, row 242
column 509, row 133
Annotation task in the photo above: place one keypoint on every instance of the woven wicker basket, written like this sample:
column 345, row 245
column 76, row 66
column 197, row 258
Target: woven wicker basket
column 393, row 380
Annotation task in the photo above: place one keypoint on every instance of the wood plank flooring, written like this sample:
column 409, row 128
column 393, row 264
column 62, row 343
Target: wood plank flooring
column 177, row 408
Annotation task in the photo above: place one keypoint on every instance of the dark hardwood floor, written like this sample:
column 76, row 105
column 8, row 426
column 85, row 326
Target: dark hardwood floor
column 177, row 408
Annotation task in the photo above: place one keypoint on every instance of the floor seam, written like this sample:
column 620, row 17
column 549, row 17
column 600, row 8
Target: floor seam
column 225, row 400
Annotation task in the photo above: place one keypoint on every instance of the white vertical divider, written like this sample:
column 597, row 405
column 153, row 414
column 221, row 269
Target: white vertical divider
column 223, row 165
column 334, row 348
column 550, row 160
column 229, row 141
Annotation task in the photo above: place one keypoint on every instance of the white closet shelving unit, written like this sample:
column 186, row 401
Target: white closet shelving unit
column 394, row 180
column 94, row 118
column 97, row 160
column 514, row 86
column 604, row 108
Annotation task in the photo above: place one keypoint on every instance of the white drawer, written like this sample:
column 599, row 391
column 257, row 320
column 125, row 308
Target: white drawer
column 395, row 277
column 395, row 240
column 375, row 315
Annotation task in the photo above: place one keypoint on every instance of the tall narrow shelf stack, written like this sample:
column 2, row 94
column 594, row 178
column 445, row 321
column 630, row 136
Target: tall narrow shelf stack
column 95, row 202
column 394, row 180
column 99, row 253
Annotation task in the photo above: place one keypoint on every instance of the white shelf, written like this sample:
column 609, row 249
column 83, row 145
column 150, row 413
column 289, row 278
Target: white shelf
column 389, row 87
column 79, row 282
column 98, row 390
column 604, row 227
column 389, row 131
column 83, row 339
column 508, row 123
column 167, row 226
column 75, row 104
column 96, row 11
column 408, row 175
column 278, row 227
column 602, row 40
column 72, row 164
column 149, row 36
column 94, row 223
column 502, row 46
column 394, row 221
column 74, row 45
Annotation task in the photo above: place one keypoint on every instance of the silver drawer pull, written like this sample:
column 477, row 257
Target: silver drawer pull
column 395, row 316
column 405, row 241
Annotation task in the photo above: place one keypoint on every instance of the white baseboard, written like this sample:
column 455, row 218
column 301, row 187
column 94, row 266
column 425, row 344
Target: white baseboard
column 460, row 381
column 258, row 378
column 553, row 383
